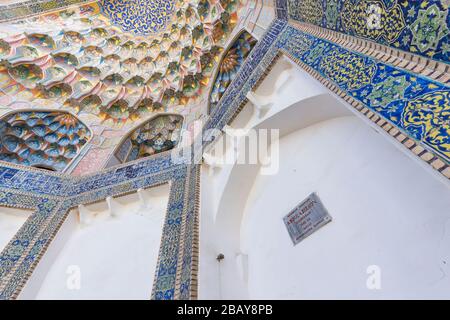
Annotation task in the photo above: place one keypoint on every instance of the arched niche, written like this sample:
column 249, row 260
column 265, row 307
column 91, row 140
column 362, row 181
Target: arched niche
column 158, row 134
column 84, row 243
column 43, row 139
column 232, row 60
column 379, row 197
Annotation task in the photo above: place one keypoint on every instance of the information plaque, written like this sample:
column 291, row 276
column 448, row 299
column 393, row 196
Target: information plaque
column 306, row 218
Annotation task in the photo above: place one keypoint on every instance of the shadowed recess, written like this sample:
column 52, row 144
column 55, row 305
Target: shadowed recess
column 42, row 139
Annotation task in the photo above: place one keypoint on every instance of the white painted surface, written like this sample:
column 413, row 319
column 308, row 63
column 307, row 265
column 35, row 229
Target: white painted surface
column 11, row 220
column 116, row 254
column 387, row 209
column 6, row 2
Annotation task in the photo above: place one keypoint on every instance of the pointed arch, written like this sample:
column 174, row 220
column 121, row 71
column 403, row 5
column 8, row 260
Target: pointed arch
column 230, row 63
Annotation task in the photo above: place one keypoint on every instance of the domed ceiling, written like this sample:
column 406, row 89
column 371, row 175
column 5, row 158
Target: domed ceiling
column 114, row 65
column 119, row 60
column 44, row 139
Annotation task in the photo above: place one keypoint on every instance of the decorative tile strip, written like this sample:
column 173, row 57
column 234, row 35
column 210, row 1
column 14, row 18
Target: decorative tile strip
column 419, row 27
column 22, row 255
column 166, row 271
column 31, row 251
column 39, row 182
column 415, row 105
column 432, row 160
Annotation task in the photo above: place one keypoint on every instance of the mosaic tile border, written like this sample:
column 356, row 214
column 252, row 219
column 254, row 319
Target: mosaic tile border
column 27, row 253
column 433, row 69
column 433, row 157
column 33, row 181
column 187, row 265
column 34, row 7
column 426, row 153
column 416, row 105
column 281, row 9
column 412, row 145
column 152, row 18
column 35, row 244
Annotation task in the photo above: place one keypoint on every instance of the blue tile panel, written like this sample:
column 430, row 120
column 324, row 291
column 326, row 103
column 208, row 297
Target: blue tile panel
column 420, row 27
column 414, row 104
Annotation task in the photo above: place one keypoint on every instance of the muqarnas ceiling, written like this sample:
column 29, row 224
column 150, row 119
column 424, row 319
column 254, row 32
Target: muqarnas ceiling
column 83, row 61
column 230, row 65
column 44, row 139
column 158, row 134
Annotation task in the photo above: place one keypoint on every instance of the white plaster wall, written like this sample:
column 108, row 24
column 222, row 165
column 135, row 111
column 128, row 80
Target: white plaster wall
column 116, row 255
column 11, row 220
column 388, row 208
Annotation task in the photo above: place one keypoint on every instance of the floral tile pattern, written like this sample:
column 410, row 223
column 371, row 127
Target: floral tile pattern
column 44, row 139
column 230, row 65
column 414, row 104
